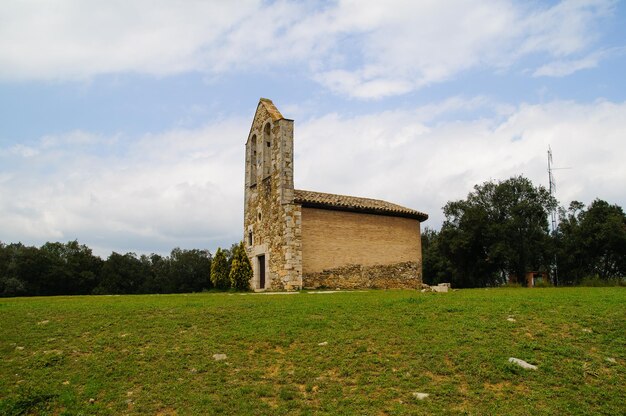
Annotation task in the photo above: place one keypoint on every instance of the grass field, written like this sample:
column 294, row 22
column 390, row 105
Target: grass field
column 154, row 354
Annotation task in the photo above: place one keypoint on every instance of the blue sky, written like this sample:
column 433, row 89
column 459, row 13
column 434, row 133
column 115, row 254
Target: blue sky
column 123, row 122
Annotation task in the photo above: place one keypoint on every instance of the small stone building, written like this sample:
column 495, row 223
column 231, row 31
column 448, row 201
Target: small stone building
column 301, row 239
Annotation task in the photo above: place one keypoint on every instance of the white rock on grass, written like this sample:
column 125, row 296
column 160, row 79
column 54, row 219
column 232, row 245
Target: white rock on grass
column 420, row 396
column 219, row 357
column 522, row 363
column 511, row 319
column 321, row 344
column 611, row 360
column 587, row 330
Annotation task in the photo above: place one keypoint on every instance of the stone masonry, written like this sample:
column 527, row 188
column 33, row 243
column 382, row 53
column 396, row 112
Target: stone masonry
column 271, row 219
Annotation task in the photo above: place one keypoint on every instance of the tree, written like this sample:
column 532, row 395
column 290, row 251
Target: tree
column 499, row 230
column 72, row 268
column 123, row 274
column 159, row 279
column 592, row 242
column 190, row 270
column 219, row 271
column 30, row 266
column 241, row 269
column 436, row 267
column 10, row 283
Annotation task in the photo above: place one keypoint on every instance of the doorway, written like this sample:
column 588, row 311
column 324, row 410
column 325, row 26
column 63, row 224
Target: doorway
column 261, row 272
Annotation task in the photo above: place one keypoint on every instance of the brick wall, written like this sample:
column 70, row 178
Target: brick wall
column 349, row 250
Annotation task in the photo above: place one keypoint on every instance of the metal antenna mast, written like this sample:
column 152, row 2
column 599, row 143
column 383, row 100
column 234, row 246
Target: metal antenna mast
column 555, row 273
column 553, row 217
column 552, row 189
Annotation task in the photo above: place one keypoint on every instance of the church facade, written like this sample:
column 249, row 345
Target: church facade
column 300, row 239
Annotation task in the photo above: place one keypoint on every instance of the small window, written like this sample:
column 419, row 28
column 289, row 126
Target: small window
column 259, row 216
column 269, row 144
column 249, row 238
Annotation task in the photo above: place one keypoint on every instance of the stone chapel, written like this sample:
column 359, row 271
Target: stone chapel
column 303, row 240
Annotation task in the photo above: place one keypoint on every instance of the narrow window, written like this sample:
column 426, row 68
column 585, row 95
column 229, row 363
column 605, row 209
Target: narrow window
column 253, row 161
column 267, row 150
column 249, row 238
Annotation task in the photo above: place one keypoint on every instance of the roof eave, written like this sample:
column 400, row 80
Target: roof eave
column 420, row 216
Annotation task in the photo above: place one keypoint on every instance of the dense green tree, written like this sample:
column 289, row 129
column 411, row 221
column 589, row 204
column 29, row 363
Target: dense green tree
column 158, row 281
column 123, row 274
column 30, row 266
column 241, row 269
column 436, row 268
column 190, row 270
column 592, row 242
column 72, row 268
column 499, row 230
column 11, row 283
column 53, row 269
column 219, row 270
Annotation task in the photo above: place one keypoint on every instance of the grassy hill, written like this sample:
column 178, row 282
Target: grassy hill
column 337, row 353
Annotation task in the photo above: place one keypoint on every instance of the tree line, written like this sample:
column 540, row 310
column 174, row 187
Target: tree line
column 72, row 269
column 501, row 231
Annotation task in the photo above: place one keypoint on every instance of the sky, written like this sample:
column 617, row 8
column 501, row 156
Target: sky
column 123, row 123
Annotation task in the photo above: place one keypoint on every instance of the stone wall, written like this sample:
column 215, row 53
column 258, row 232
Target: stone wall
column 388, row 276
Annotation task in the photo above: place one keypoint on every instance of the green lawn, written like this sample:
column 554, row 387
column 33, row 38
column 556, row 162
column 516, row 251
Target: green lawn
column 154, row 354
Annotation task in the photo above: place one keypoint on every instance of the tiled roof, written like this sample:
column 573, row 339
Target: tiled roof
column 271, row 109
column 353, row 203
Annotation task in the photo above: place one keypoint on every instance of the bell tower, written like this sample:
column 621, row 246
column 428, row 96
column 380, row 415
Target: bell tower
column 271, row 219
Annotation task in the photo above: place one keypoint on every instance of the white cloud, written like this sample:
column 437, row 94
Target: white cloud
column 408, row 158
column 407, row 45
column 76, row 38
column 561, row 68
column 180, row 188
column 185, row 187
column 564, row 68
column 363, row 49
